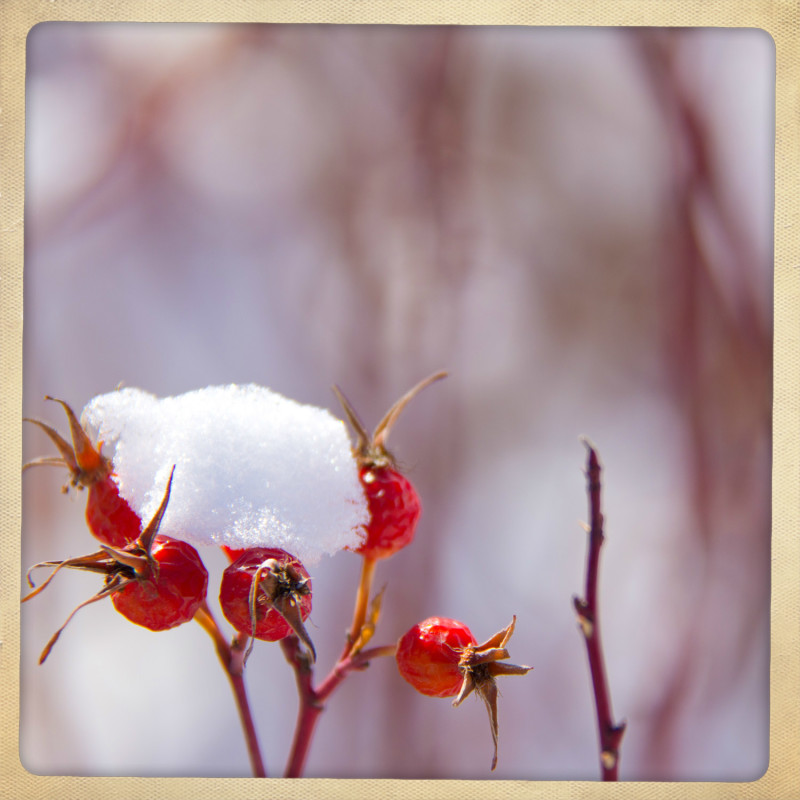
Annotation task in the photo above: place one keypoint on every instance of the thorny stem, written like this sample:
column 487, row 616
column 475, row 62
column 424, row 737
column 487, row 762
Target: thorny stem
column 312, row 701
column 231, row 657
column 588, row 617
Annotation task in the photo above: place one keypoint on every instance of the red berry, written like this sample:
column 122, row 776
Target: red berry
column 110, row 518
column 169, row 594
column 266, row 593
column 394, row 509
column 440, row 658
column 428, row 656
column 155, row 581
column 393, row 502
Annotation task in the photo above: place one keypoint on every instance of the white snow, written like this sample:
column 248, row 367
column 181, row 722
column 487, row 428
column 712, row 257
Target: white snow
column 252, row 468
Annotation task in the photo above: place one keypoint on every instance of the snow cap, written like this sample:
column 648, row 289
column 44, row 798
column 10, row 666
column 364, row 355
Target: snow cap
column 252, row 468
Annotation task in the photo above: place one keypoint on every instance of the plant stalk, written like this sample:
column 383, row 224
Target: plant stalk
column 362, row 603
column 312, row 701
column 231, row 657
column 609, row 732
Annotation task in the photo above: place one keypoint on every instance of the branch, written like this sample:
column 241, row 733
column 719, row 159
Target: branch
column 231, row 657
column 312, row 701
column 589, row 620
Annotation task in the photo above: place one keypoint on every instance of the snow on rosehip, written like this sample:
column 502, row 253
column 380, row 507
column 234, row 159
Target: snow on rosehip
column 394, row 504
column 257, row 469
column 156, row 581
column 440, row 657
column 108, row 515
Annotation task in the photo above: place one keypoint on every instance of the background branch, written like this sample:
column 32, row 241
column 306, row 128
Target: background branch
column 588, row 617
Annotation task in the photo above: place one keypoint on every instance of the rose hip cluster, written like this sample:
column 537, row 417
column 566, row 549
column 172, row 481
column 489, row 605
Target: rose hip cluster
column 154, row 581
column 160, row 582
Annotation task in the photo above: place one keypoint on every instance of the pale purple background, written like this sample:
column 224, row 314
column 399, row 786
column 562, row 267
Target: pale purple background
column 576, row 223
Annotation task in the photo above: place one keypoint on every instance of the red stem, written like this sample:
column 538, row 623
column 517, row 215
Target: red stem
column 231, row 657
column 312, row 701
column 610, row 733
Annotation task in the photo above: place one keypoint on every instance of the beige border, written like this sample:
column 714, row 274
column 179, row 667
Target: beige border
column 780, row 18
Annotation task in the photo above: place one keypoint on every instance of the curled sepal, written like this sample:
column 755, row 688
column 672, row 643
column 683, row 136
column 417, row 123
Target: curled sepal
column 288, row 607
column 282, row 585
column 82, row 458
column 371, row 450
column 114, row 584
column 382, row 431
column 480, row 665
column 95, row 562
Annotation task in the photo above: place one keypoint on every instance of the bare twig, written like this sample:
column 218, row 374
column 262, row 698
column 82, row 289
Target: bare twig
column 610, row 732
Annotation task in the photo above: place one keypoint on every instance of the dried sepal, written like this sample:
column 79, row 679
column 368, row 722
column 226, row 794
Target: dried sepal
column 81, row 457
column 370, row 450
column 362, row 443
column 480, row 665
column 281, row 586
column 120, row 566
column 114, row 584
column 288, row 607
column 381, row 433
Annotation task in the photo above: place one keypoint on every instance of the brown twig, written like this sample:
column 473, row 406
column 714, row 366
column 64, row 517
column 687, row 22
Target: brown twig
column 231, row 657
column 312, row 701
column 588, row 618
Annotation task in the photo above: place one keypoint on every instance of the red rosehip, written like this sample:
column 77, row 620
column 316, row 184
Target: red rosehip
column 439, row 657
column 169, row 592
column 110, row 518
column 428, row 656
column 394, row 509
column 392, row 501
column 266, row 593
column 156, row 581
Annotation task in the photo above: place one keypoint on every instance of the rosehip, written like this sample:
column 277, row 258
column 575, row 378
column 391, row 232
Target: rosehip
column 440, row 657
column 393, row 502
column 394, row 509
column 110, row 518
column 266, row 593
column 166, row 593
column 156, row 581
column 428, row 656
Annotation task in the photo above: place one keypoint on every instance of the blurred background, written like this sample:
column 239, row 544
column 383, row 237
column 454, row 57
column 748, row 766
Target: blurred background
column 576, row 223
